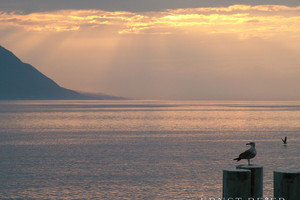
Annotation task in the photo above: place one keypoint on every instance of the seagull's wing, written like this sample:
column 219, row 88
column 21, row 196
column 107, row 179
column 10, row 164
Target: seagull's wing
column 245, row 155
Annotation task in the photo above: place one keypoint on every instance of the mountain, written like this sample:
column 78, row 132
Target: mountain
column 21, row 81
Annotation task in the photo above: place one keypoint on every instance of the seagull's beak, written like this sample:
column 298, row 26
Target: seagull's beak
column 248, row 144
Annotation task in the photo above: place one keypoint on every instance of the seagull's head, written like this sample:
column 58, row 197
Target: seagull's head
column 252, row 144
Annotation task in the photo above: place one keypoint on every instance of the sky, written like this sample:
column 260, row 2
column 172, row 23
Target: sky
column 160, row 49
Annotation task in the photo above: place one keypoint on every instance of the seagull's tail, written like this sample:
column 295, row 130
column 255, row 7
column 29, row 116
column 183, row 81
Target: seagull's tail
column 237, row 159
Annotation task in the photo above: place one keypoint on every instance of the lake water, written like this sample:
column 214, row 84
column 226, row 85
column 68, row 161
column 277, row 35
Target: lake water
column 139, row 149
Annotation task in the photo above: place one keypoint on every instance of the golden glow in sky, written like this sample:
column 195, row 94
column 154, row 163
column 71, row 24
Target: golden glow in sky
column 259, row 20
column 235, row 52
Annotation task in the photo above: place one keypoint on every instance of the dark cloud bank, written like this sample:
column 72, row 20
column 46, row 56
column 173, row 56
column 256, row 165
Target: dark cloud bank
column 28, row 6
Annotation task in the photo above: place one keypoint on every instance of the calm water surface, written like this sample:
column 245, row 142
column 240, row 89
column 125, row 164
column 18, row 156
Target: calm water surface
column 138, row 149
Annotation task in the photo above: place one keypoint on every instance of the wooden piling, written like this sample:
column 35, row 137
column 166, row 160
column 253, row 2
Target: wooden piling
column 287, row 184
column 236, row 183
column 256, row 179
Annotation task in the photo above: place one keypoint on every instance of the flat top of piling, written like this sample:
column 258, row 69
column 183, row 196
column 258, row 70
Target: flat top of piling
column 287, row 171
column 236, row 170
column 249, row 166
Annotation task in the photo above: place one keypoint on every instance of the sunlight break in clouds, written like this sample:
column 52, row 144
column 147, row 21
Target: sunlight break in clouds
column 261, row 20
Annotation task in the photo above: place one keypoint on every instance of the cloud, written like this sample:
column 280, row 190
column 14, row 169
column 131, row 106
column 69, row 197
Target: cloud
column 65, row 20
column 263, row 20
column 32, row 6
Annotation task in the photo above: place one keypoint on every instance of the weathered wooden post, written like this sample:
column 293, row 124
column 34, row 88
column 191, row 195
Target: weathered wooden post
column 287, row 184
column 256, row 179
column 236, row 183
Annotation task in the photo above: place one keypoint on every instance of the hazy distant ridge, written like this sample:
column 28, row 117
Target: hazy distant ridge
column 21, row 81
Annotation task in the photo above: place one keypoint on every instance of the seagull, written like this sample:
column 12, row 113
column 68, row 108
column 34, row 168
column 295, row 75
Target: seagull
column 284, row 140
column 249, row 154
